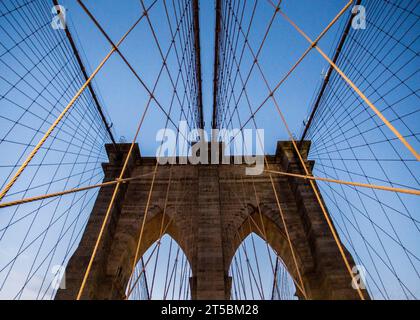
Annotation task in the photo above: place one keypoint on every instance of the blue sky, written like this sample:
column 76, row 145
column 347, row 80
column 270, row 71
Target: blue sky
column 121, row 92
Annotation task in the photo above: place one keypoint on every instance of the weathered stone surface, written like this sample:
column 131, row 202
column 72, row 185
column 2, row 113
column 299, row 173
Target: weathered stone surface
column 210, row 210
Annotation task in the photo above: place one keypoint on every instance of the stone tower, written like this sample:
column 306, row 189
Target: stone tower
column 218, row 213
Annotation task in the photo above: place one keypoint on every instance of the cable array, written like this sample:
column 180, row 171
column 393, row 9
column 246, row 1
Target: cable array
column 350, row 143
column 59, row 180
column 40, row 73
column 362, row 125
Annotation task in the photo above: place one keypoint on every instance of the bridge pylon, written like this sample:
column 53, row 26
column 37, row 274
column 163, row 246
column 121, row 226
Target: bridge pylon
column 209, row 226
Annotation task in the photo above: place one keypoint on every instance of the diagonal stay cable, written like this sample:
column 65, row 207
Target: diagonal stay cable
column 70, row 104
column 355, row 88
column 135, row 73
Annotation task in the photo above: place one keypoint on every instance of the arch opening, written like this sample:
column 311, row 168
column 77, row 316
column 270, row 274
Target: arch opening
column 258, row 273
column 162, row 273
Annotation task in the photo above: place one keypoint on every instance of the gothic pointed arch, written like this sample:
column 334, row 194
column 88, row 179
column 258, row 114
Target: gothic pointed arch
column 258, row 272
column 162, row 273
column 266, row 224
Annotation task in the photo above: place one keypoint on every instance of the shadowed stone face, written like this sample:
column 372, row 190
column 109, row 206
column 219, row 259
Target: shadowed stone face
column 210, row 210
